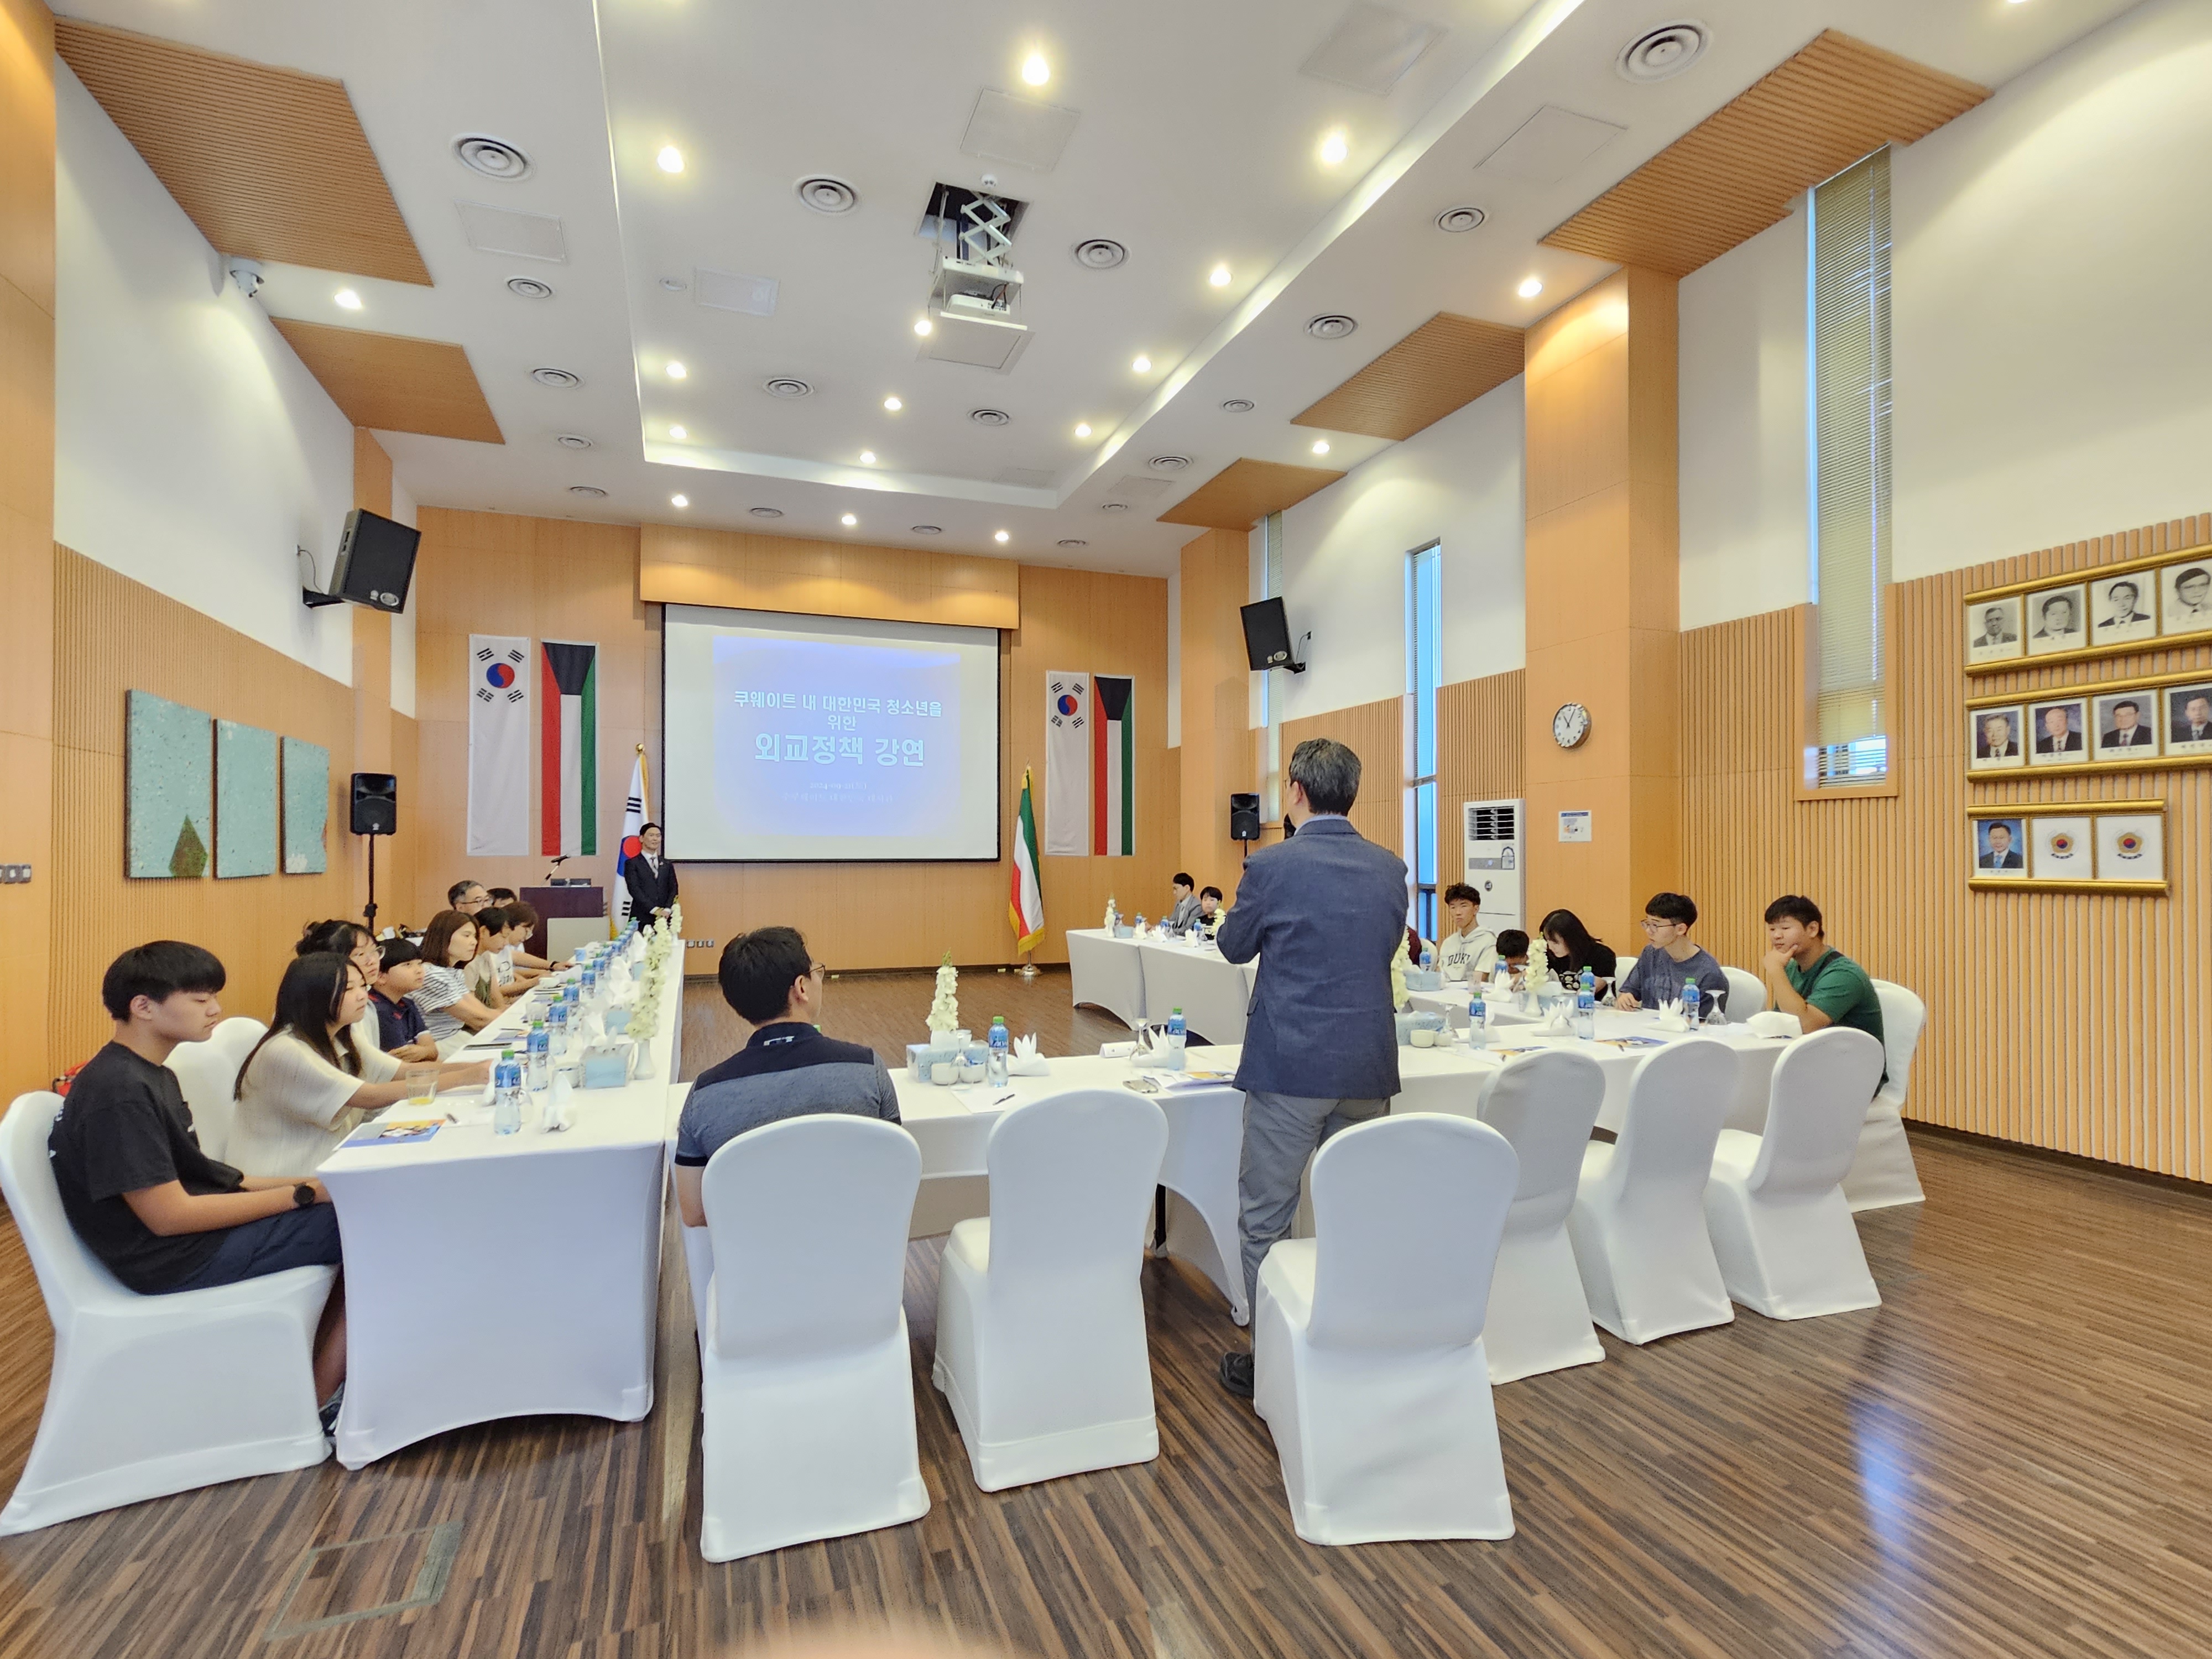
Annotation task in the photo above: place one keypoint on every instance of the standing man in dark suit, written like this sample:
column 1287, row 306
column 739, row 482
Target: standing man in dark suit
column 1324, row 914
column 650, row 877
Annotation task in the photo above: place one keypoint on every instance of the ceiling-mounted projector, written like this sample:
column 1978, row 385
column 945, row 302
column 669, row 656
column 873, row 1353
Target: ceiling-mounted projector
column 974, row 293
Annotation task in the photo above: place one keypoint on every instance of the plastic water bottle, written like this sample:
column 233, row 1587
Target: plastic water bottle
column 1690, row 996
column 1428, row 956
column 1477, row 1011
column 540, row 1051
column 1178, row 1037
column 592, row 977
column 1586, row 1008
column 1002, row 1044
column 556, row 1028
column 507, row 1094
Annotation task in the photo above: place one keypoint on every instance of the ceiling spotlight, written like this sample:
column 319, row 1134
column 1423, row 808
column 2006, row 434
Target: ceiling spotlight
column 1219, row 277
column 849, row 521
column 1335, row 149
column 1036, row 70
column 867, row 458
column 678, row 433
column 1083, row 428
column 1321, row 446
column 1142, row 365
column 921, row 325
column 676, row 370
column 1531, row 288
column 670, row 159
column 347, row 300
column 1001, row 537
column 893, row 404
column 679, row 500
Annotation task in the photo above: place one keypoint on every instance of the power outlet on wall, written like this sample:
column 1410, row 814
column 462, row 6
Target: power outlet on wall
column 698, row 944
column 14, row 875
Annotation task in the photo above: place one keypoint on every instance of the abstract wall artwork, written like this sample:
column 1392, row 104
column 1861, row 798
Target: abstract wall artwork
column 307, row 807
column 168, row 788
column 245, row 800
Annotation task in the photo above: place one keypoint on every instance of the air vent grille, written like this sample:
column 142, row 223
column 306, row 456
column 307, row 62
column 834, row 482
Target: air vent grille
column 585, row 489
column 826, row 193
column 557, row 377
column 1491, row 823
column 530, row 288
column 766, row 512
column 1458, row 219
column 990, row 417
column 1662, row 54
column 787, row 386
column 1237, row 405
column 929, row 530
column 1331, row 326
column 573, row 441
column 495, row 158
column 1100, row 253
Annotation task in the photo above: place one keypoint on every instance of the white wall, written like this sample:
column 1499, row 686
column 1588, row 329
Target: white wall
column 1344, row 553
column 192, row 450
column 402, row 625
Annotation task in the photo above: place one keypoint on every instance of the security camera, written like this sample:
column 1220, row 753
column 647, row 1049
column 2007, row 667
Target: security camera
column 246, row 273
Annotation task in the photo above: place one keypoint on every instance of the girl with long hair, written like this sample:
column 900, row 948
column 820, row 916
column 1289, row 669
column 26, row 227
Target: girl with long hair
column 358, row 945
column 1570, row 948
column 450, row 1013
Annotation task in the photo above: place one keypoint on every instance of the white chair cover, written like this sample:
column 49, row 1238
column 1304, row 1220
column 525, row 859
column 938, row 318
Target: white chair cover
column 1367, row 1340
column 1638, row 1224
column 1747, row 994
column 1545, row 1105
column 207, row 1073
column 1882, row 1172
column 152, row 1395
column 807, row 1388
column 1040, row 1349
column 1780, row 1227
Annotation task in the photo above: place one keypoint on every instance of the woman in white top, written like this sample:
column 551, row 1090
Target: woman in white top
column 450, row 1013
column 306, row 1085
column 1468, row 951
column 358, row 945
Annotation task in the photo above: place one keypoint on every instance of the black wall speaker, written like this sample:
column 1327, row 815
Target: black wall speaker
column 376, row 562
column 1267, row 636
column 1243, row 818
column 375, row 804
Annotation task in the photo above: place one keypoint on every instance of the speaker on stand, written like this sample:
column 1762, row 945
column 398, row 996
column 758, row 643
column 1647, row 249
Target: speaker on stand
column 375, row 812
column 1244, row 820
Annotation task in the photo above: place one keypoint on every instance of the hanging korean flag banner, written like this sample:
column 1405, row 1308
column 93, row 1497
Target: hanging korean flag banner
column 1066, row 763
column 1113, row 767
column 568, row 750
column 499, row 744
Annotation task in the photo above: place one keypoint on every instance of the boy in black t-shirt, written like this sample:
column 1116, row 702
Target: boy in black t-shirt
column 156, row 1209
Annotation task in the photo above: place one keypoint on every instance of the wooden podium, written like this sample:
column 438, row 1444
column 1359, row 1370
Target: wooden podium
column 568, row 917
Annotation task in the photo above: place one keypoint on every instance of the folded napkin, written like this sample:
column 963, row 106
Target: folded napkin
column 1773, row 1023
column 1561, row 1023
column 1025, row 1060
column 1671, row 1017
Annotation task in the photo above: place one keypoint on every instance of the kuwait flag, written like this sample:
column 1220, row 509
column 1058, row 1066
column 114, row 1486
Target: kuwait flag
column 568, row 750
column 1113, row 767
column 1025, row 899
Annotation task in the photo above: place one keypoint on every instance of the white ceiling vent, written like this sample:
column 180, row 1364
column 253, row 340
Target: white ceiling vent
column 1237, row 405
column 1458, row 219
column 1371, row 49
column 990, row 417
column 1137, row 487
column 585, row 489
column 557, row 377
column 765, row 512
column 929, row 530
column 1660, row 53
column 720, row 290
column 1020, row 130
column 827, row 193
column 573, row 441
column 1331, row 326
column 1100, row 253
column 1113, row 507
column 495, row 158
column 674, row 284
column 787, row 386
column 1168, row 463
column 524, row 235
column 1549, row 145
column 530, row 288
column 1071, row 541
column 1025, row 477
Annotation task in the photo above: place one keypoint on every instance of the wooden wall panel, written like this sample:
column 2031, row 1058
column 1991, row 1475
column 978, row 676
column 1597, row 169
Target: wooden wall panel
column 1216, row 759
column 1246, row 491
column 397, row 893
column 1375, row 731
column 744, row 571
column 112, row 635
column 395, row 383
column 372, row 666
column 1444, row 365
column 2068, row 1021
column 1478, row 738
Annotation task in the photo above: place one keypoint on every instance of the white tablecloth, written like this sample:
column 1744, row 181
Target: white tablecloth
column 491, row 1276
column 1213, row 992
column 1107, row 973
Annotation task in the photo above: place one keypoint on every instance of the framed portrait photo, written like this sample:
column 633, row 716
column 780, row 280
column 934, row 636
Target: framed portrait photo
column 1993, row 630
column 1995, row 738
column 2058, row 733
column 2125, row 726
column 2060, row 850
column 2055, row 620
column 2123, row 609
column 2131, row 847
column 2184, row 595
column 2000, row 849
column 2188, row 719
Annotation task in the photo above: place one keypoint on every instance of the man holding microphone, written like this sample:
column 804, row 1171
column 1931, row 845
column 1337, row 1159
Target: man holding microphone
column 1324, row 913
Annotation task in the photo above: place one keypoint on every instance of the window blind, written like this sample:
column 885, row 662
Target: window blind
column 1850, row 464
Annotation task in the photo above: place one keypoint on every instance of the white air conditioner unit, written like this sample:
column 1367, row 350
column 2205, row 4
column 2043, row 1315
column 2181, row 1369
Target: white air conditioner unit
column 1496, row 858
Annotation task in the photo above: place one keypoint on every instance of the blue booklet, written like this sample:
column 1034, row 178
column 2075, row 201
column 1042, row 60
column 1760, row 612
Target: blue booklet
column 392, row 1134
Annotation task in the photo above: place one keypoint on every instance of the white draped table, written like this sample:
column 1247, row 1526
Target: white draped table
column 1140, row 980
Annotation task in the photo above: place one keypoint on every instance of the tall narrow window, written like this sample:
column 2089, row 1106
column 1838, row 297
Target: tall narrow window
column 1851, row 476
column 1424, row 653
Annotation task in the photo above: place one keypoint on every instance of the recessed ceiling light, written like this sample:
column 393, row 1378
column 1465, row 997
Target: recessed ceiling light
column 1143, row 364
column 677, row 371
column 1000, row 537
column 929, row 530
column 1460, row 218
column 678, row 433
column 921, row 325
column 1334, row 147
column 1036, row 70
column 530, row 288
column 867, row 458
column 893, row 404
column 849, row 521
column 670, row 159
column 765, row 512
column 347, row 299
column 1071, row 541
column 1331, row 326
column 679, row 500
column 1219, row 276
column 573, row 441
column 1237, row 405
column 1531, row 288
column 1083, row 428
column 1321, row 446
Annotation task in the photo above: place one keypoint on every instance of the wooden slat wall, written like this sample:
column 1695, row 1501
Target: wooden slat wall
column 112, row 634
column 1219, row 756
column 1478, row 738
column 745, row 571
column 2068, row 1021
column 1375, row 731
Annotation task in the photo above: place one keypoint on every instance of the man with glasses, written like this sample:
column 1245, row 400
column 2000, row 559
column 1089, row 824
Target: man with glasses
column 467, row 896
column 1670, row 959
column 788, row 1069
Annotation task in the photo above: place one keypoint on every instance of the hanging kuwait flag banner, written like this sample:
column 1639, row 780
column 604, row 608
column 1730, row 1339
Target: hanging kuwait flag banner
column 1067, row 763
column 499, row 744
column 568, row 749
column 1113, row 767
column 1025, row 897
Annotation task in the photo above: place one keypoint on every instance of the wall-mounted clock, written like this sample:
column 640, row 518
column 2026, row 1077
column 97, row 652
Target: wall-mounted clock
column 1570, row 725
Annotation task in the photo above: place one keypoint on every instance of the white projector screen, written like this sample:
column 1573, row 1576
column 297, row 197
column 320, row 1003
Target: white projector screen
column 824, row 738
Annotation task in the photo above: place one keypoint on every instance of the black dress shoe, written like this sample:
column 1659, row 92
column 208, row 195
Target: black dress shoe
column 1236, row 1374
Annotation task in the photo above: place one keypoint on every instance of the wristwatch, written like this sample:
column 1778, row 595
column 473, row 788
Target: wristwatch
column 303, row 1196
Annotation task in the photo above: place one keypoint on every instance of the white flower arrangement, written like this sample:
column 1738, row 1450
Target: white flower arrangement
column 1398, row 963
column 945, row 1008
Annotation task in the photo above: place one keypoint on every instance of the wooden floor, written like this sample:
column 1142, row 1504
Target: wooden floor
column 2012, row 1455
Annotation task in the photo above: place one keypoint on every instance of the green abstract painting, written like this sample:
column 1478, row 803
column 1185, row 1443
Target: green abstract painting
column 168, row 788
column 307, row 807
column 245, row 800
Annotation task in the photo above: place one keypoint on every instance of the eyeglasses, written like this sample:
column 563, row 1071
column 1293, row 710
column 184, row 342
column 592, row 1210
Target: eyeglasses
column 1651, row 926
column 818, row 970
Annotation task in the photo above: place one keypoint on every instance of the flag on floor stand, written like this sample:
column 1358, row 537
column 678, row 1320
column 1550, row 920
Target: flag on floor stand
column 1025, row 899
column 1113, row 767
column 499, row 744
column 634, row 818
column 1067, row 763
column 568, row 750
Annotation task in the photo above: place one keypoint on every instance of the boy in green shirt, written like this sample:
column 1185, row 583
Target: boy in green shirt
column 1804, row 977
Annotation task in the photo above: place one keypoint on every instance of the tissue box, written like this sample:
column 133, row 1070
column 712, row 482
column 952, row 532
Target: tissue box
column 607, row 1065
column 617, row 1021
column 1124, row 930
column 921, row 1056
column 1423, row 979
column 1420, row 1020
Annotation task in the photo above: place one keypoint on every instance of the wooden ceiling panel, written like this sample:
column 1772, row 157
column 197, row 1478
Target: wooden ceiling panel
column 1737, row 171
column 1444, row 364
column 1246, row 491
column 268, row 162
column 393, row 384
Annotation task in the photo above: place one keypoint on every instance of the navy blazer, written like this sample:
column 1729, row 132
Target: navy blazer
column 1324, row 912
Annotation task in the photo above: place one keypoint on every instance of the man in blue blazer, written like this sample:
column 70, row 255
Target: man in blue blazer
column 1324, row 912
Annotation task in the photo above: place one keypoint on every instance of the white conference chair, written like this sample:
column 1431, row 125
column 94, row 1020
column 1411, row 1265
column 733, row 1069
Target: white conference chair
column 806, row 1388
column 1747, row 994
column 1369, row 1364
column 1638, row 1223
column 208, row 1073
column 1545, row 1106
column 1882, row 1172
column 1040, row 1349
column 152, row 1395
column 1774, row 1206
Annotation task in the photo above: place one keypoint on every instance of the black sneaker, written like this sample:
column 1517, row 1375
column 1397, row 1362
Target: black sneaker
column 329, row 1410
column 1236, row 1374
